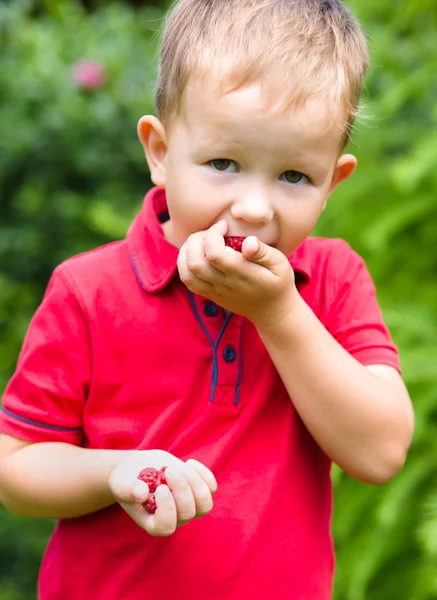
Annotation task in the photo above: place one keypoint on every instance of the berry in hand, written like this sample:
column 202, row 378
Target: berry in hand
column 150, row 476
column 153, row 478
column 161, row 476
column 235, row 242
column 150, row 504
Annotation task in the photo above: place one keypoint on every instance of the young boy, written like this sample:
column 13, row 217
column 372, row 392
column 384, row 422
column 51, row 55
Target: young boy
column 218, row 339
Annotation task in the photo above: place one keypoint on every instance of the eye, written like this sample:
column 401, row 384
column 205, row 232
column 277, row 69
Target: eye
column 224, row 165
column 294, row 177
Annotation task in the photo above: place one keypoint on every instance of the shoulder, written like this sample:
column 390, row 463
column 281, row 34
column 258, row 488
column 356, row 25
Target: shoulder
column 342, row 294
column 96, row 265
column 96, row 261
column 336, row 272
column 330, row 260
column 330, row 250
column 95, row 274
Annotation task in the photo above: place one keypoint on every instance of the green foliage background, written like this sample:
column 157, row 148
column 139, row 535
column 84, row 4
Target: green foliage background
column 72, row 175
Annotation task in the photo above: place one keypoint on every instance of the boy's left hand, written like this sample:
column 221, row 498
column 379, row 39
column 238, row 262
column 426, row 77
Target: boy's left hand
column 257, row 283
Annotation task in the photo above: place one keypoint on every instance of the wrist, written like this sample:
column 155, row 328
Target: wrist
column 285, row 319
column 110, row 460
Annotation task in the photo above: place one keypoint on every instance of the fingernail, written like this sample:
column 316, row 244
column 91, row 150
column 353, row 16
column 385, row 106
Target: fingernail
column 139, row 490
column 171, row 474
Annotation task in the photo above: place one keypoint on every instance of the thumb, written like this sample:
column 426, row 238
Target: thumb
column 258, row 252
column 130, row 491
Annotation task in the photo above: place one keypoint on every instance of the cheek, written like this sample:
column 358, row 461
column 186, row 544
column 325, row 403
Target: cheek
column 304, row 216
column 298, row 224
column 186, row 213
column 192, row 201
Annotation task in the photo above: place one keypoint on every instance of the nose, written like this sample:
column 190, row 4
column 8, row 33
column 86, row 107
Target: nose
column 253, row 205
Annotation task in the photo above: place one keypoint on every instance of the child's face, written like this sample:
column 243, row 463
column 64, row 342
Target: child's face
column 267, row 173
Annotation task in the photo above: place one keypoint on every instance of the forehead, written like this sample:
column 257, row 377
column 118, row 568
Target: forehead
column 247, row 114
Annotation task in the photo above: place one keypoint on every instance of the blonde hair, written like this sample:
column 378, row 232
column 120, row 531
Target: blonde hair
column 295, row 49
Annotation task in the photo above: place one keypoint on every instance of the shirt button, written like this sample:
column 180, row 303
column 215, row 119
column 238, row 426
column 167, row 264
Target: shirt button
column 229, row 354
column 210, row 309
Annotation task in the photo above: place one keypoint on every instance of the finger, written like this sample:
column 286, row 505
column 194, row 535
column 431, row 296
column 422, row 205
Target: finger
column 197, row 262
column 221, row 227
column 195, row 272
column 201, row 492
column 262, row 254
column 217, row 254
column 193, row 283
column 185, row 274
column 164, row 522
column 181, row 263
column 251, row 247
column 182, row 495
column 204, row 473
column 140, row 491
column 129, row 491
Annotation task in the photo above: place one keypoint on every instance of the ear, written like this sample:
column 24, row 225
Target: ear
column 153, row 139
column 344, row 168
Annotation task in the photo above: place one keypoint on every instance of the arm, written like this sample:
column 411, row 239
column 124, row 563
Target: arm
column 58, row 480
column 55, row 479
column 44, row 401
column 361, row 417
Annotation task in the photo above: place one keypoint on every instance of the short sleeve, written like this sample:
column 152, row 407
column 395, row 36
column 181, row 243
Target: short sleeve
column 44, row 400
column 355, row 319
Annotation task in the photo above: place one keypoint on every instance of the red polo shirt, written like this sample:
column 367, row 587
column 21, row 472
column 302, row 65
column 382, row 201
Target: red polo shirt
column 121, row 355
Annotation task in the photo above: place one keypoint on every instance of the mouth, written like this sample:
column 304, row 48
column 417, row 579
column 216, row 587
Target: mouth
column 235, row 242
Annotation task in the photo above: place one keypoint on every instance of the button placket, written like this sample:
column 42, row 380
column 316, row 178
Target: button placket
column 210, row 309
column 229, row 362
column 223, row 332
column 209, row 314
column 229, row 354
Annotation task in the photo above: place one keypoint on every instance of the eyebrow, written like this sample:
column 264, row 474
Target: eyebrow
column 218, row 143
column 320, row 170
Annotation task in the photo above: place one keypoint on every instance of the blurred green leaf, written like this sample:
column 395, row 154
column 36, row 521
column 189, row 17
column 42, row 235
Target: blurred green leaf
column 72, row 175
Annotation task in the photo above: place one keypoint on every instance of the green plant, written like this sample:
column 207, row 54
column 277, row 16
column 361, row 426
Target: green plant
column 386, row 537
column 72, row 175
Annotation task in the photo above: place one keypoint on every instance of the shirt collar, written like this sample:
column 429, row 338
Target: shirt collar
column 300, row 260
column 153, row 258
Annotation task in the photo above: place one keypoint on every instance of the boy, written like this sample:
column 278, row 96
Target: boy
column 217, row 340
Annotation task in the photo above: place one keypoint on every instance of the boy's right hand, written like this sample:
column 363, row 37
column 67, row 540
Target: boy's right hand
column 188, row 495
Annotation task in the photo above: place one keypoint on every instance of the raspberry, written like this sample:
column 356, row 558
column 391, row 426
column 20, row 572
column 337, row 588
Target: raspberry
column 161, row 476
column 153, row 478
column 235, row 242
column 150, row 504
column 150, row 476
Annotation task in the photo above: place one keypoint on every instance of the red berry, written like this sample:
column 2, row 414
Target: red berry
column 161, row 476
column 150, row 504
column 150, row 476
column 235, row 242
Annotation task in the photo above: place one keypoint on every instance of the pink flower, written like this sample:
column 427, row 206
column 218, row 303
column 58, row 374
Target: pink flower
column 89, row 74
